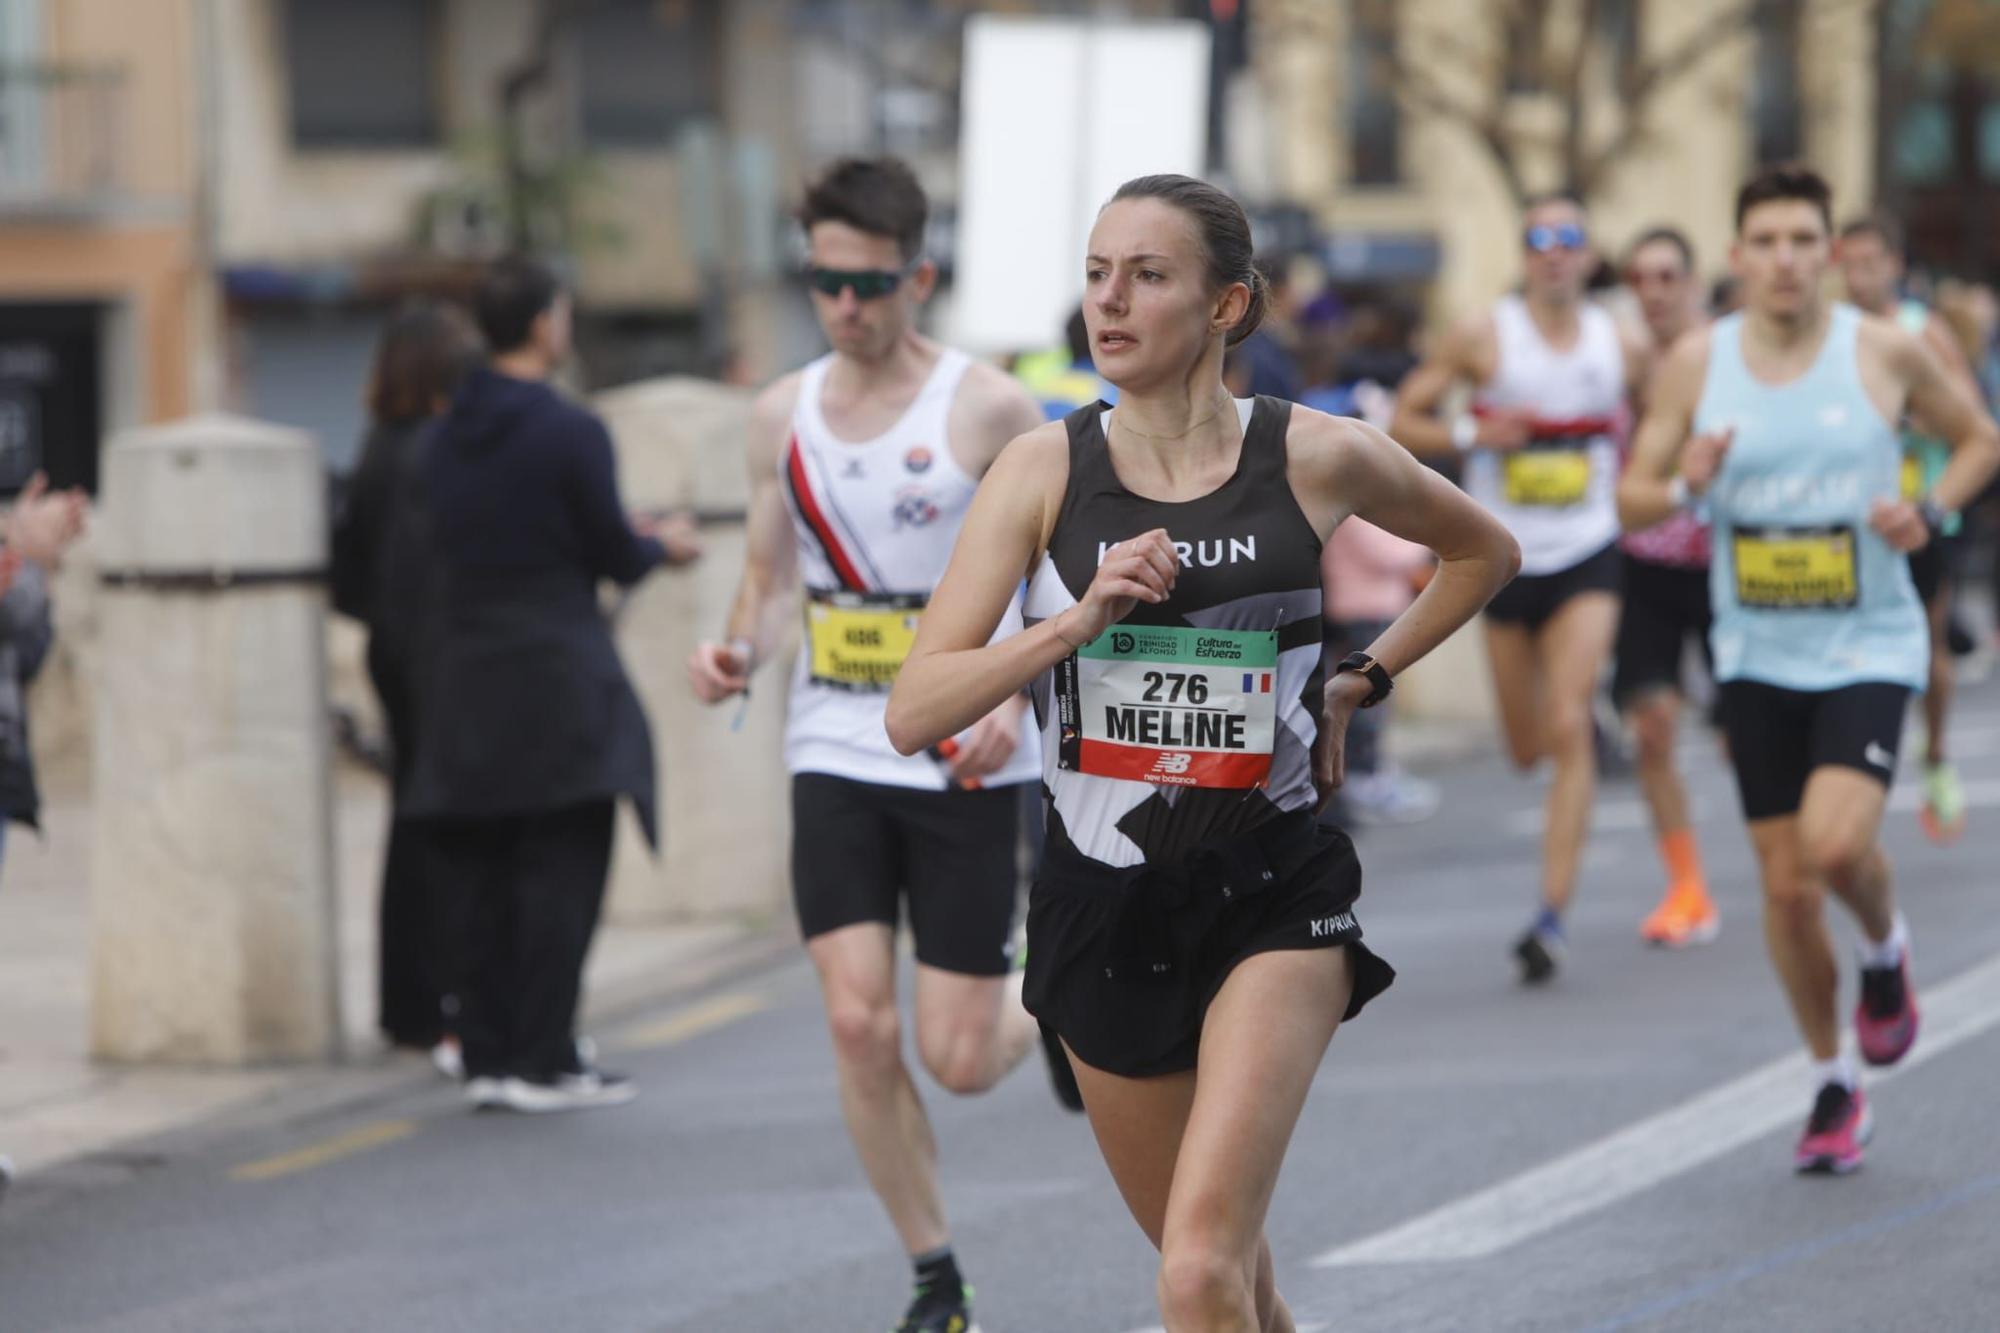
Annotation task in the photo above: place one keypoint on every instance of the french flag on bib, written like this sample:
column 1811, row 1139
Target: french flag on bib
column 1257, row 682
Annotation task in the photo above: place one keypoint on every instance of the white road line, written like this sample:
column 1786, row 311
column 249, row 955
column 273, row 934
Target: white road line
column 1630, row 816
column 1657, row 1148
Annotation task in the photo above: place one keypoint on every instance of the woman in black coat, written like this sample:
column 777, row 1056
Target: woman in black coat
column 381, row 571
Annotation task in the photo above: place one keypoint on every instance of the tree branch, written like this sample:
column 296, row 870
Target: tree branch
column 1574, row 123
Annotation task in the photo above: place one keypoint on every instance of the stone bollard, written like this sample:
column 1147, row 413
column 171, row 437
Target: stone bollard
column 725, row 806
column 213, row 934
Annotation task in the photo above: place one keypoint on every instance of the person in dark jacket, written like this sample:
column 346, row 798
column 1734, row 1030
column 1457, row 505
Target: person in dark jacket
column 40, row 527
column 380, row 564
column 528, row 732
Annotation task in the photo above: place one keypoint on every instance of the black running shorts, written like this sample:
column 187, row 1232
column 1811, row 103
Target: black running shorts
column 1777, row 737
column 860, row 849
column 1124, row 963
column 1532, row 600
column 1664, row 606
column 1930, row 566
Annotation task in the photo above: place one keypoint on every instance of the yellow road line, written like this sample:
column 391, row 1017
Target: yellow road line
column 692, row 1022
column 319, row 1154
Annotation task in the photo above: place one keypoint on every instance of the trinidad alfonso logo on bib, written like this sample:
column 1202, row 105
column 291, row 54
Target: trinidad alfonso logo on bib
column 1171, row 705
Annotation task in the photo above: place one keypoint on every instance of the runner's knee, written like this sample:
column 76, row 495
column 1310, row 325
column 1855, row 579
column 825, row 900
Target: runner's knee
column 1835, row 854
column 1653, row 729
column 867, row 1034
column 1792, row 895
column 1202, row 1286
column 960, row 1060
column 1567, row 727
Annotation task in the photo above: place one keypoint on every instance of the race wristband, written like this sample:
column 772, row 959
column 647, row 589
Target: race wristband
column 1679, row 493
column 1465, row 432
column 744, row 649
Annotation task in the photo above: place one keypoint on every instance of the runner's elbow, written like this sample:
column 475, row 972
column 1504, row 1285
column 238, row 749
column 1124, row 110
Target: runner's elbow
column 906, row 735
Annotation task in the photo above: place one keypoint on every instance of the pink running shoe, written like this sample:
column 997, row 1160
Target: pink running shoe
column 1835, row 1132
column 1885, row 1020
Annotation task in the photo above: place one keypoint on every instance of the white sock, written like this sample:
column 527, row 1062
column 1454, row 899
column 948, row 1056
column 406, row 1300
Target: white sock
column 1891, row 951
column 1837, row 1070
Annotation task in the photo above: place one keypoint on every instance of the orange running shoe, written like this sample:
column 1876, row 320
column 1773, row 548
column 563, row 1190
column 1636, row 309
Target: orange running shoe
column 1685, row 916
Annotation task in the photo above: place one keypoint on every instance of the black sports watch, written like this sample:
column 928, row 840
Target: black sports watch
column 1933, row 515
column 1363, row 664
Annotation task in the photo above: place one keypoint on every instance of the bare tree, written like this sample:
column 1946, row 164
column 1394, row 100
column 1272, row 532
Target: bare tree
column 1472, row 74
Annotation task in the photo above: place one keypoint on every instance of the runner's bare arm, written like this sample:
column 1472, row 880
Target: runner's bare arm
column 1468, row 353
column 1944, row 346
column 1646, row 491
column 765, row 596
column 1942, row 401
column 1336, row 461
column 1640, row 357
column 992, row 408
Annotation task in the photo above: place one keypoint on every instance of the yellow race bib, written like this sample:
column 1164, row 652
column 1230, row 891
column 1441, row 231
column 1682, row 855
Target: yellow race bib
column 858, row 641
column 1547, row 477
column 1793, row 569
column 1913, row 478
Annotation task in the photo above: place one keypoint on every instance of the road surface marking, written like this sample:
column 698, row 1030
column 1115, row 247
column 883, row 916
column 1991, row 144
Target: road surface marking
column 693, row 1021
column 1657, row 1148
column 319, row 1154
column 1628, row 816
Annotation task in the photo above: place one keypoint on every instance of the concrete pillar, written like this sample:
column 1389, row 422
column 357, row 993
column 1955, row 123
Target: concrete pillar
column 725, row 803
column 213, row 937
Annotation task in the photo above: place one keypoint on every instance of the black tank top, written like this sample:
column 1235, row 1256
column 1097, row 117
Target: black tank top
column 1194, row 718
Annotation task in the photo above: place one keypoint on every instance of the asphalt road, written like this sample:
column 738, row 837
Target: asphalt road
column 1610, row 1153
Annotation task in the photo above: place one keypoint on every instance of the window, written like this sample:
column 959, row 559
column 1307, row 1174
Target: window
column 1374, row 118
column 1775, row 111
column 362, row 73
column 645, row 67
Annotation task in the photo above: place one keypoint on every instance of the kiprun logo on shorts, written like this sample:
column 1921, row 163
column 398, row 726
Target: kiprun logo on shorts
column 1328, row 927
column 1880, row 756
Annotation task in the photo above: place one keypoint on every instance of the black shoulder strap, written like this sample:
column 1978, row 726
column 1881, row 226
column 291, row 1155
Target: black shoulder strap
column 1264, row 441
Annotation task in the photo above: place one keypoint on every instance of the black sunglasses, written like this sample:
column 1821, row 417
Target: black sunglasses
column 869, row 284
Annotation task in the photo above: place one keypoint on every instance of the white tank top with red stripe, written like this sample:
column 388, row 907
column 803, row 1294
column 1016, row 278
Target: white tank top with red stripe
column 875, row 522
column 1558, row 496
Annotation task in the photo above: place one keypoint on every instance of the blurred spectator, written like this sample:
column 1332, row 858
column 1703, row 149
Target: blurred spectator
column 1270, row 355
column 528, row 731
column 1724, row 298
column 40, row 527
column 1064, row 378
column 1357, row 376
column 1371, row 577
column 380, row 562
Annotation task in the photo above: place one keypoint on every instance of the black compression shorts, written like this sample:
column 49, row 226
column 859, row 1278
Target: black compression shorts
column 1533, row 599
column 1777, row 737
column 1664, row 606
column 860, row 849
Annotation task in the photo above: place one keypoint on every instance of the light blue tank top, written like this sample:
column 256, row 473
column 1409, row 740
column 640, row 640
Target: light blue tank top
column 1807, row 597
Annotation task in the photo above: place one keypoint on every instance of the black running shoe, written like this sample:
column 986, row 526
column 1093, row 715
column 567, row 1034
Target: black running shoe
column 933, row 1311
column 1540, row 953
column 1061, row 1076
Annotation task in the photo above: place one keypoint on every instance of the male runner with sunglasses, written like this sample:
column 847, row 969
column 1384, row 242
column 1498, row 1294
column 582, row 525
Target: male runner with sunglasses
column 1550, row 373
column 862, row 466
column 1665, row 604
